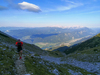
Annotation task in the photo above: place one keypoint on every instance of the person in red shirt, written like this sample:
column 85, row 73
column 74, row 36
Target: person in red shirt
column 19, row 45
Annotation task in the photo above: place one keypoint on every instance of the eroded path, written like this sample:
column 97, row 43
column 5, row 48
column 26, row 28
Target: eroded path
column 20, row 66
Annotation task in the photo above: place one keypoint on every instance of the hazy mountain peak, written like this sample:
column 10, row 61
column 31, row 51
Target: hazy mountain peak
column 7, row 31
column 76, row 27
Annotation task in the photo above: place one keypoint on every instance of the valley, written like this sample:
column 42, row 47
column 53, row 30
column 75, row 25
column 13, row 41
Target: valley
column 49, row 37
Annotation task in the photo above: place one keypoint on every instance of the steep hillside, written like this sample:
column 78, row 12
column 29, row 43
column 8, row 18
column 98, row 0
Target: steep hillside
column 91, row 43
column 8, row 54
column 36, row 61
column 63, row 46
column 59, row 48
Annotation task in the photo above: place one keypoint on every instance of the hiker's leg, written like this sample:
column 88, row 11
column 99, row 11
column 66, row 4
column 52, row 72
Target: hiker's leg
column 20, row 53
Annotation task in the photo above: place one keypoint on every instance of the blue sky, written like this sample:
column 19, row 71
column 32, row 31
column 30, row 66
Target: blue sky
column 41, row 13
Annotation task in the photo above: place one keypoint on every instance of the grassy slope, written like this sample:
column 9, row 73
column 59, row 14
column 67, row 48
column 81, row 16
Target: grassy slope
column 88, row 55
column 91, row 43
column 58, row 48
column 8, row 54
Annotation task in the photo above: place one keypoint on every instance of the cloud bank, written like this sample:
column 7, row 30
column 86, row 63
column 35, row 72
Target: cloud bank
column 29, row 7
column 22, row 6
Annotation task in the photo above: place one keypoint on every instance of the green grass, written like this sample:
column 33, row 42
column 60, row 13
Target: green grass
column 89, row 55
column 33, row 66
column 6, row 62
column 7, row 58
column 55, row 54
column 91, row 43
column 3, row 34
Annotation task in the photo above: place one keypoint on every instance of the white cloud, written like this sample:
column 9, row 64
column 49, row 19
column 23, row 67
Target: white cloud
column 29, row 7
column 62, row 8
column 69, row 5
column 66, row 7
column 23, row 6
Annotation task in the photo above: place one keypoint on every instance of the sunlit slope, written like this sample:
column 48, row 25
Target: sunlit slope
column 59, row 48
column 91, row 43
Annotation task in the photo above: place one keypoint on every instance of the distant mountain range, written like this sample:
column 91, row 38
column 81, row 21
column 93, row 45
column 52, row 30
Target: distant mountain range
column 5, row 29
column 46, row 37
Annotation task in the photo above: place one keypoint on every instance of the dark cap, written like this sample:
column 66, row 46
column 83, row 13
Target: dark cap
column 18, row 39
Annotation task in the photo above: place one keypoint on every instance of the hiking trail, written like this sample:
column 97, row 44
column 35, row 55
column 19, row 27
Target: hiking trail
column 20, row 66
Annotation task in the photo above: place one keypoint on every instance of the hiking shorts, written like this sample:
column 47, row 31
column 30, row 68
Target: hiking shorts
column 19, row 49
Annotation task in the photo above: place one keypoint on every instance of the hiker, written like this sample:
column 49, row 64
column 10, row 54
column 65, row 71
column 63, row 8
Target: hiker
column 19, row 45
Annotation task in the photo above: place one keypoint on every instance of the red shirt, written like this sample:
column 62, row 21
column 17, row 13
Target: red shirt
column 18, row 42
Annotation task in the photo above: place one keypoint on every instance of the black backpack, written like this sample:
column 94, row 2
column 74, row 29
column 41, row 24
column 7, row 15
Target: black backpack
column 19, row 44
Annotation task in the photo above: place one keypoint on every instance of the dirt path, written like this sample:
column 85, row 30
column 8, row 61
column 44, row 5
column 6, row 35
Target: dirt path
column 20, row 67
